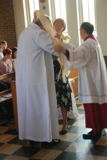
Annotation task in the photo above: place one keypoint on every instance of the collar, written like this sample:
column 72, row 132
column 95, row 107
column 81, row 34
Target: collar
column 91, row 36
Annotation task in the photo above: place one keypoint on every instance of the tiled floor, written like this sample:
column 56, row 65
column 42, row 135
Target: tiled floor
column 71, row 147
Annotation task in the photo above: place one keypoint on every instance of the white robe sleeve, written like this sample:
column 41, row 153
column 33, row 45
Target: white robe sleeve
column 45, row 42
column 69, row 47
column 82, row 55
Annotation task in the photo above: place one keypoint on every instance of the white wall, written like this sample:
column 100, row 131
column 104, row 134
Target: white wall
column 19, row 16
column 72, row 21
column 101, row 14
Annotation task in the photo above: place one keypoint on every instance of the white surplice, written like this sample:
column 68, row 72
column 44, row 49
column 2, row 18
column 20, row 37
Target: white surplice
column 37, row 106
column 88, row 58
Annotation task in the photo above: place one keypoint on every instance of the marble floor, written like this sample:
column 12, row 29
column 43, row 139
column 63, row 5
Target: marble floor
column 71, row 146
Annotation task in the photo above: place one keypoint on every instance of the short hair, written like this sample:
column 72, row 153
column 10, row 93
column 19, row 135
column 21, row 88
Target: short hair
column 88, row 27
column 38, row 22
column 3, row 42
column 7, row 51
column 60, row 20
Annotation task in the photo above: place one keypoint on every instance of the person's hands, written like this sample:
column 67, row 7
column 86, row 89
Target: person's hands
column 57, row 36
column 58, row 47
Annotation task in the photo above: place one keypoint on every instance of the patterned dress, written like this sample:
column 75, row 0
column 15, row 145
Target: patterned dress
column 63, row 90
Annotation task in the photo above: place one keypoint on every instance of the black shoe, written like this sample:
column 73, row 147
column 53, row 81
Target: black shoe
column 63, row 132
column 91, row 135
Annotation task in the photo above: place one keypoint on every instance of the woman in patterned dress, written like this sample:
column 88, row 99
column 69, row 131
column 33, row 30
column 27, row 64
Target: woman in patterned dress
column 63, row 90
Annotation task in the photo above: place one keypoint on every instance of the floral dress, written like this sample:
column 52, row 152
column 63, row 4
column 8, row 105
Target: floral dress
column 63, row 90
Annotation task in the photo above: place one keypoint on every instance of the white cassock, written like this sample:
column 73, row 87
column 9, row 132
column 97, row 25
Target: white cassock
column 37, row 105
column 92, row 72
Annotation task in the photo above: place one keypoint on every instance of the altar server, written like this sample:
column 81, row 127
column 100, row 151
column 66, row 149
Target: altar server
column 92, row 91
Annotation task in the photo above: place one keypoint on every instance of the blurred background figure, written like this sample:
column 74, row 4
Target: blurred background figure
column 14, row 55
column 6, row 66
column 14, row 52
column 3, row 46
